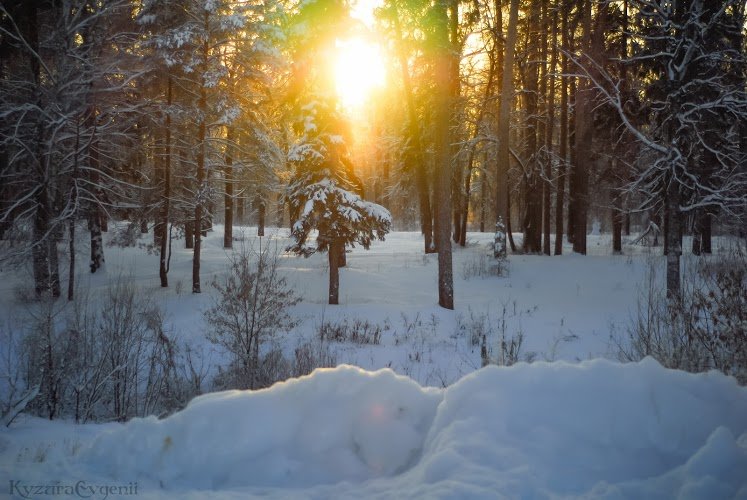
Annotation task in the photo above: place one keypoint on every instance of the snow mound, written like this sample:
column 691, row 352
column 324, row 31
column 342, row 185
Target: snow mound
column 336, row 425
column 596, row 429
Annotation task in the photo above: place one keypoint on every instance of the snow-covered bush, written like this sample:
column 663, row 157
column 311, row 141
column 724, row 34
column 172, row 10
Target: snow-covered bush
column 251, row 307
column 102, row 359
column 705, row 329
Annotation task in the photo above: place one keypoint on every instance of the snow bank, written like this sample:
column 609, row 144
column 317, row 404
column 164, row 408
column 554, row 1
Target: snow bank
column 336, row 425
column 596, row 429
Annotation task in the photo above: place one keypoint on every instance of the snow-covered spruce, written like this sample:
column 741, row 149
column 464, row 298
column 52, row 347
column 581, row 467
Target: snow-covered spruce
column 326, row 196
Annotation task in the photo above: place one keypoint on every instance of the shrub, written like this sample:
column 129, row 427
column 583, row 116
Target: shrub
column 482, row 266
column 491, row 333
column 704, row 329
column 359, row 331
column 250, row 308
column 108, row 359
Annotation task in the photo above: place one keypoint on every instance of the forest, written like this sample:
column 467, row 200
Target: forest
column 539, row 115
column 373, row 248
column 541, row 122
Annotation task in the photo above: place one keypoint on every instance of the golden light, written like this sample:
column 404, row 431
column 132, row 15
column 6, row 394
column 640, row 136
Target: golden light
column 359, row 70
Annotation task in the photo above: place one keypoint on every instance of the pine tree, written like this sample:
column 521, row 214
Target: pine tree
column 324, row 194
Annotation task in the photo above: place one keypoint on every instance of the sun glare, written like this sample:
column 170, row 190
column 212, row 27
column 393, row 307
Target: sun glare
column 359, row 70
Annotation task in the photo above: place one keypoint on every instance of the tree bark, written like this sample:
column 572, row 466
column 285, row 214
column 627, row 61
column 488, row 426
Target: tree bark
column 549, row 129
column 166, row 201
column 504, row 117
column 442, row 136
column 228, row 195
column 73, row 217
column 673, row 238
column 334, row 272
column 189, row 234
column 454, row 92
column 97, row 253
column 572, row 161
column 617, row 221
column 261, row 215
column 702, row 233
column 94, row 215
column 532, row 222
column 201, row 183
column 563, row 146
column 584, row 142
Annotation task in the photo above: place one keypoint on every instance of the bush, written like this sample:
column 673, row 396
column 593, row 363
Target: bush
column 250, row 308
column 15, row 393
column 483, row 266
column 109, row 359
column 308, row 357
column 497, row 345
column 704, row 329
column 361, row 332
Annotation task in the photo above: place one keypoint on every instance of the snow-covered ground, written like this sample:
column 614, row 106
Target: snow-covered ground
column 563, row 306
column 580, row 427
column 595, row 429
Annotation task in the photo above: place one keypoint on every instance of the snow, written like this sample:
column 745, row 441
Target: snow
column 595, row 429
column 415, row 418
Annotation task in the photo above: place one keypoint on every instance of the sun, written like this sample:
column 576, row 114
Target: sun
column 359, row 70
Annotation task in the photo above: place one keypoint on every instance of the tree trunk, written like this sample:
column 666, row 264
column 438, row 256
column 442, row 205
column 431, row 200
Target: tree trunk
column 97, row 252
column 94, row 215
column 563, row 152
column 44, row 252
column 503, row 214
column 549, row 129
column 702, row 233
column 584, row 142
column 261, row 215
column 454, row 92
column 189, row 234
column 71, row 268
column 483, row 200
column 201, row 183
column 228, row 195
column 673, row 239
column 44, row 248
column 572, row 161
column 334, row 272
column 706, row 225
column 73, row 218
column 532, row 222
column 617, row 225
column 166, row 201
column 442, row 137
column 342, row 259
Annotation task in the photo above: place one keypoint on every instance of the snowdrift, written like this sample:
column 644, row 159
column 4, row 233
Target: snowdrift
column 595, row 429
